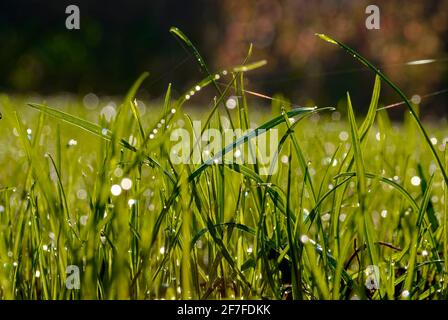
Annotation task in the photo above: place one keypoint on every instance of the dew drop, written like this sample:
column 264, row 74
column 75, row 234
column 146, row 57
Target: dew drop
column 115, row 190
column 231, row 103
column 126, row 184
column 415, row 180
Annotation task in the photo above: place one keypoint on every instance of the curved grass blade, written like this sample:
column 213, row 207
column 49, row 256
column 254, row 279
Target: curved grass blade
column 73, row 120
column 92, row 128
column 390, row 182
column 408, row 104
column 252, row 134
column 231, row 225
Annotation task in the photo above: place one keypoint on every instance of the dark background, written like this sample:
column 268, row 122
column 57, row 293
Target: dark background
column 118, row 40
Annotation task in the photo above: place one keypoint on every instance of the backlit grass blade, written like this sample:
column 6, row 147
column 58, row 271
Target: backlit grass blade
column 252, row 134
column 238, row 226
column 92, row 128
column 359, row 161
column 408, row 104
column 291, row 238
column 409, row 280
column 390, row 182
column 73, row 120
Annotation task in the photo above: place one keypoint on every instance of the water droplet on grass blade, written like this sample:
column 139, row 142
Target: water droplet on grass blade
column 304, row 239
column 109, row 112
column 343, row 136
column 415, row 180
column 126, row 184
column 232, row 102
column 72, row 143
column 237, row 153
column 326, row 38
column 115, row 190
column 434, row 140
column 132, row 140
column 83, row 220
column 81, row 194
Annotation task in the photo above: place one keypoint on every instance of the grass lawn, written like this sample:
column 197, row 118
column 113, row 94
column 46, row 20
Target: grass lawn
column 357, row 207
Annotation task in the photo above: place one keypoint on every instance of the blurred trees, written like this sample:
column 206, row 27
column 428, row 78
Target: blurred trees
column 118, row 40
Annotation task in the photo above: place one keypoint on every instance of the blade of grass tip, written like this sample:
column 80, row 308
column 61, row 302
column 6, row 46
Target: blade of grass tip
column 243, row 112
column 135, row 86
column 64, row 202
column 348, row 161
column 415, row 239
column 73, row 120
column 361, row 185
column 307, row 178
column 367, row 123
column 229, row 225
column 408, row 104
column 119, row 124
column 251, row 134
column 425, row 202
column 137, row 117
column 359, row 162
column 292, row 242
column 430, row 212
column 167, row 104
column 301, row 157
column 371, row 113
column 176, row 31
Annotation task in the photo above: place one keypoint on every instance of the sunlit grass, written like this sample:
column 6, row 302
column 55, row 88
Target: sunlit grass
column 94, row 187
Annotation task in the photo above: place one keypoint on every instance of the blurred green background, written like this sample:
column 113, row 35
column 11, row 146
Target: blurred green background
column 120, row 39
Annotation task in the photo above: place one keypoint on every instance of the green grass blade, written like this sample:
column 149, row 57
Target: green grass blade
column 407, row 102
